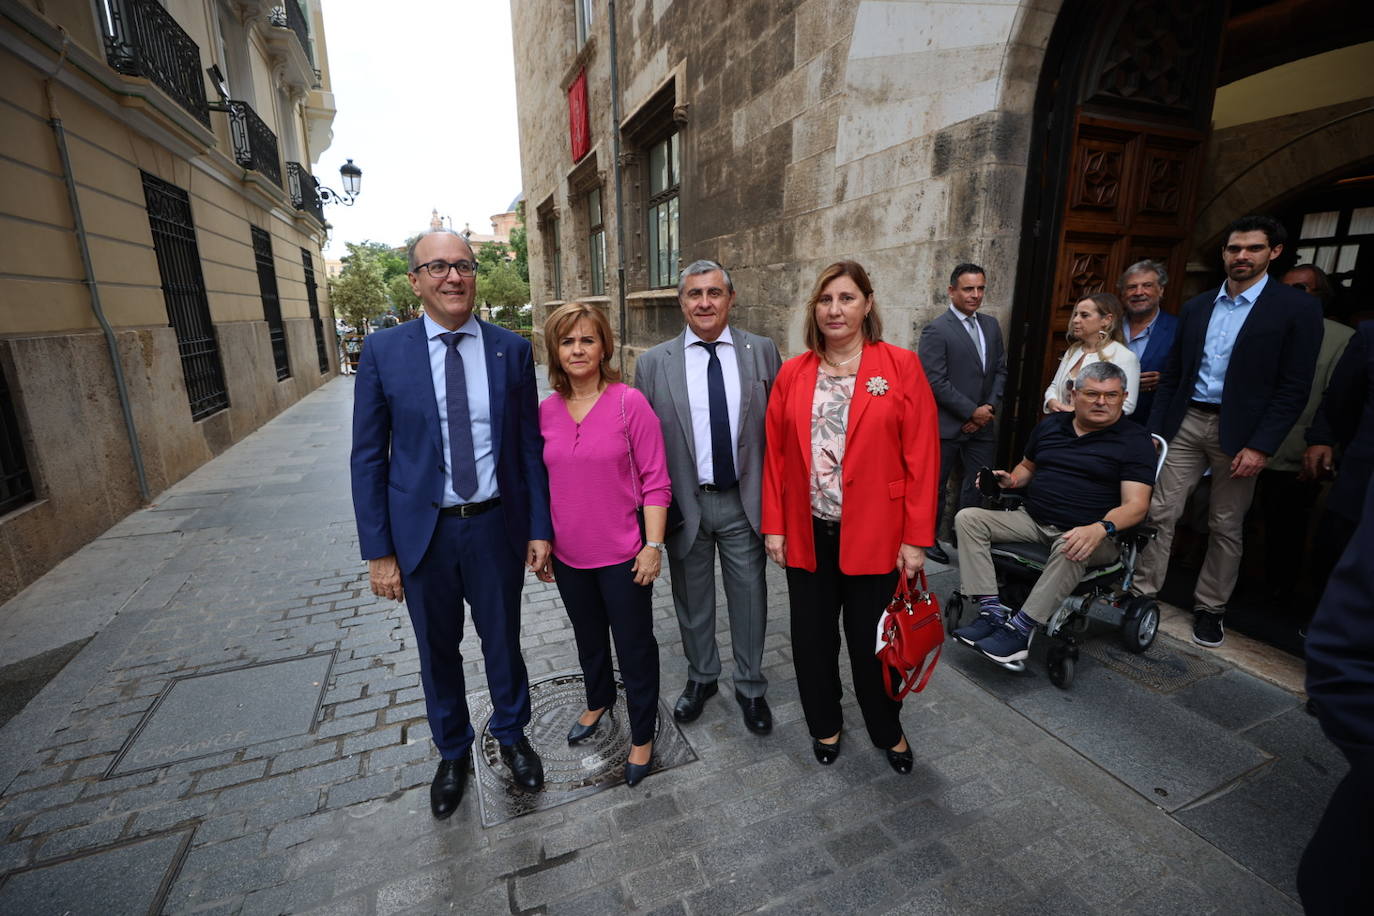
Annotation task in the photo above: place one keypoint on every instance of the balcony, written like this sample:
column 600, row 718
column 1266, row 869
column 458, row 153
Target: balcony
column 301, row 185
column 290, row 16
column 255, row 146
column 142, row 39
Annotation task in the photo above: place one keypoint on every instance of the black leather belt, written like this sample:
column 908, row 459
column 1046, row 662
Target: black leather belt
column 1205, row 406
column 712, row 488
column 468, row 510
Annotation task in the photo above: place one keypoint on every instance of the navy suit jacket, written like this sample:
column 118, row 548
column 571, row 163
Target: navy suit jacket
column 1269, row 375
column 398, row 453
column 1156, row 354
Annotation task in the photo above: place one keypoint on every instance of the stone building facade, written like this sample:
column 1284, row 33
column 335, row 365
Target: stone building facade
column 1052, row 141
column 159, row 218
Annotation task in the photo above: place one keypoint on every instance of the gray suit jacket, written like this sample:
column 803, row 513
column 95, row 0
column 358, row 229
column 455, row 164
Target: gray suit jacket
column 661, row 374
column 959, row 382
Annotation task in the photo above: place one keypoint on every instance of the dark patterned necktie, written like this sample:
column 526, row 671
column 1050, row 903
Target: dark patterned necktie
column 462, row 457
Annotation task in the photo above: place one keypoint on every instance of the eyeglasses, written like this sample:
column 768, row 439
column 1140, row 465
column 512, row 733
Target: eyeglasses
column 439, row 269
column 1111, row 397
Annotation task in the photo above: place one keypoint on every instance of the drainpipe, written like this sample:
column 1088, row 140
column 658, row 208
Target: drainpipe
column 619, row 198
column 55, row 121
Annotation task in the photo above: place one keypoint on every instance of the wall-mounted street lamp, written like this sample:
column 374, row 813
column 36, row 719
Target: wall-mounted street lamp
column 352, row 178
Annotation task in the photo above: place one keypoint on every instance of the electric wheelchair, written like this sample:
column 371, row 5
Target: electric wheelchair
column 1103, row 594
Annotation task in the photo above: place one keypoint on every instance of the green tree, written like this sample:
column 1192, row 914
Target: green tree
column 391, row 260
column 359, row 292
column 520, row 243
column 492, row 256
column 508, row 296
column 404, row 302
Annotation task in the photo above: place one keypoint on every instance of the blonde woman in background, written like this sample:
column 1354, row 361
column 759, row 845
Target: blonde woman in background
column 1094, row 335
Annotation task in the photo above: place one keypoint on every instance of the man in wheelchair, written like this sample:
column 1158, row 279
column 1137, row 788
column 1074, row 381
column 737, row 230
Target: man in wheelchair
column 1086, row 474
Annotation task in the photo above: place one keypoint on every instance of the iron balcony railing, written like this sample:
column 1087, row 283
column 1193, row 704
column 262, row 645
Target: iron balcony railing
column 142, row 39
column 255, row 146
column 301, row 185
column 290, row 16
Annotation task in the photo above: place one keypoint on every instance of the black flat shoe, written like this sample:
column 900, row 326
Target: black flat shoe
column 446, row 791
column 826, row 754
column 694, row 697
column 579, row 732
column 524, row 764
column 758, row 718
column 901, row 761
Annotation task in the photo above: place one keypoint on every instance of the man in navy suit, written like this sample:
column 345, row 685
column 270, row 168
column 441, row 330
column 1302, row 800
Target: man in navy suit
column 1235, row 382
column 1334, row 875
column 451, row 499
column 1149, row 330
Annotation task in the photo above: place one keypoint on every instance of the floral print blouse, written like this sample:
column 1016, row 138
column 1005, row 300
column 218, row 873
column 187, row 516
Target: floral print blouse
column 829, row 420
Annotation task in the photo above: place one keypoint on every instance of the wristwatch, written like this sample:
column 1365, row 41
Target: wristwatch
column 1111, row 528
column 657, row 545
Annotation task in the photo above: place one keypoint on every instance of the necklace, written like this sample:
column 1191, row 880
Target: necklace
column 584, row 397
column 844, row 362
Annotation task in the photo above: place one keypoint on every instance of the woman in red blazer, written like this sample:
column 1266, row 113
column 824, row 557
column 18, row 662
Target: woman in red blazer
column 848, row 492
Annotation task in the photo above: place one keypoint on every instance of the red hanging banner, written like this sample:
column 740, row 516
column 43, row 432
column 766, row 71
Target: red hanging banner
column 579, row 124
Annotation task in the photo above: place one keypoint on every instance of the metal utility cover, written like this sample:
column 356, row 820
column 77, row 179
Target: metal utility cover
column 208, row 713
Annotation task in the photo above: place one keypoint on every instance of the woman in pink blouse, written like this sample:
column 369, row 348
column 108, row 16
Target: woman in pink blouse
column 604, row 450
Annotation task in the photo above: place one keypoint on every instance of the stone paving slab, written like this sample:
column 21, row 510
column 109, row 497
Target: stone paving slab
column 264, row 567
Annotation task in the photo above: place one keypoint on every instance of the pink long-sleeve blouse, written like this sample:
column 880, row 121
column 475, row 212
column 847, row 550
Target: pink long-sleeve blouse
column 592, row 492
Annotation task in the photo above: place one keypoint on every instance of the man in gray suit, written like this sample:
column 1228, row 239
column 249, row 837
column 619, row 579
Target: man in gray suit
column 966, row 365
column 709, row 386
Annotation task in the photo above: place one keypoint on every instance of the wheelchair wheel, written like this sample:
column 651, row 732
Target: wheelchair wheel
column 1061, row 672
column 1139, row 624
column 954, row 612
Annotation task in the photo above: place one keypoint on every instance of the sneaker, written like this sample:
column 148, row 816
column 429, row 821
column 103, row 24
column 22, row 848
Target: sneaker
column 1207, row 629
column 983, row 626
column 1006, row 644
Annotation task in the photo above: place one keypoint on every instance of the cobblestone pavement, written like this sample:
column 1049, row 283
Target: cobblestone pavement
column 1018, row 804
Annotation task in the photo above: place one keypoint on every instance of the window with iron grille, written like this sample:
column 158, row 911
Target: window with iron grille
column 596, row 236
column 665, row 165
column 183, row 290
column 313, row 298
column 555, row 250
column 16, row 483
column 271, row 302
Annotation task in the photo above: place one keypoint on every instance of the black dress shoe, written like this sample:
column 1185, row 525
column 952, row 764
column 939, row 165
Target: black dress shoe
column 937, row 553
column 901, row 761
column 524, row 764
column 694, row 697
column 825, row 753
column 579, row 732
column 446, row 791
column 758, row 718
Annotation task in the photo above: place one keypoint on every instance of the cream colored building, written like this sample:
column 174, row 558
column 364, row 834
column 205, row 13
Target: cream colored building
column 170, row 218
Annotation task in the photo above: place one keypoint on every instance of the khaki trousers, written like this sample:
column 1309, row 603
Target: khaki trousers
column 1195, row 448
column 979, row 529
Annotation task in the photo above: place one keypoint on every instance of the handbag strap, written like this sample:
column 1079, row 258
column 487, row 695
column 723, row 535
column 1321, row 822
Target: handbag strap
column 630, row 449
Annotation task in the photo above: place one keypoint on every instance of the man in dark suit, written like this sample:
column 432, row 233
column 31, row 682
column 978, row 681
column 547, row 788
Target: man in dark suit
column 709, row 386
column 1149, row 329
column 1334, row 874
column 451, row 498
column 1235, row 382
column 966, row 365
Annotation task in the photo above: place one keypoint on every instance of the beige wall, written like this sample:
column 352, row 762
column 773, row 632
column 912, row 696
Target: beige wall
column 55, row 358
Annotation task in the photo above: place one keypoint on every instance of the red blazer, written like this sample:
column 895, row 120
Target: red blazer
column 891, row 461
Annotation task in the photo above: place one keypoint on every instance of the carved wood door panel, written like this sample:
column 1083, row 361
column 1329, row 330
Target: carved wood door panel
column 1131, row 194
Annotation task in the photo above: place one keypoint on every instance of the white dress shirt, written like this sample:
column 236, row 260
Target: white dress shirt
column 697, row 360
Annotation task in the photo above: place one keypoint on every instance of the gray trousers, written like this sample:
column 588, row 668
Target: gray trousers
column 1195, row 447
column 742, row 563
column 979, row 529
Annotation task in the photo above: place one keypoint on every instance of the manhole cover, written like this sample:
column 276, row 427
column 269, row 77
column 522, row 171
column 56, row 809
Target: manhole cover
column 128, row 878
column 569, row 772
column 1159, row 667
column 204, row 714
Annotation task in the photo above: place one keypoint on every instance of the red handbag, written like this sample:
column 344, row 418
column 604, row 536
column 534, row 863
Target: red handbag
column 908, row 632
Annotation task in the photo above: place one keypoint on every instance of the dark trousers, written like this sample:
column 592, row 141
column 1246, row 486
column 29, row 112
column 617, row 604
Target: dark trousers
column 1285, row 503
column 970, row 454
column 819, row 601
column 1333, row 535
column 607, row 598
column 469, row 559
column 1334, row 874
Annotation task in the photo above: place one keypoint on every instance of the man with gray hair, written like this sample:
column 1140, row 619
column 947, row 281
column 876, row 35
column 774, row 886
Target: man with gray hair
column 1149, row 329
column 1086, row 474
column 709, row 386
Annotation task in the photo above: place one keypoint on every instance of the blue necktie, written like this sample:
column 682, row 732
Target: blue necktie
column 722, row 454
column 462, row 457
